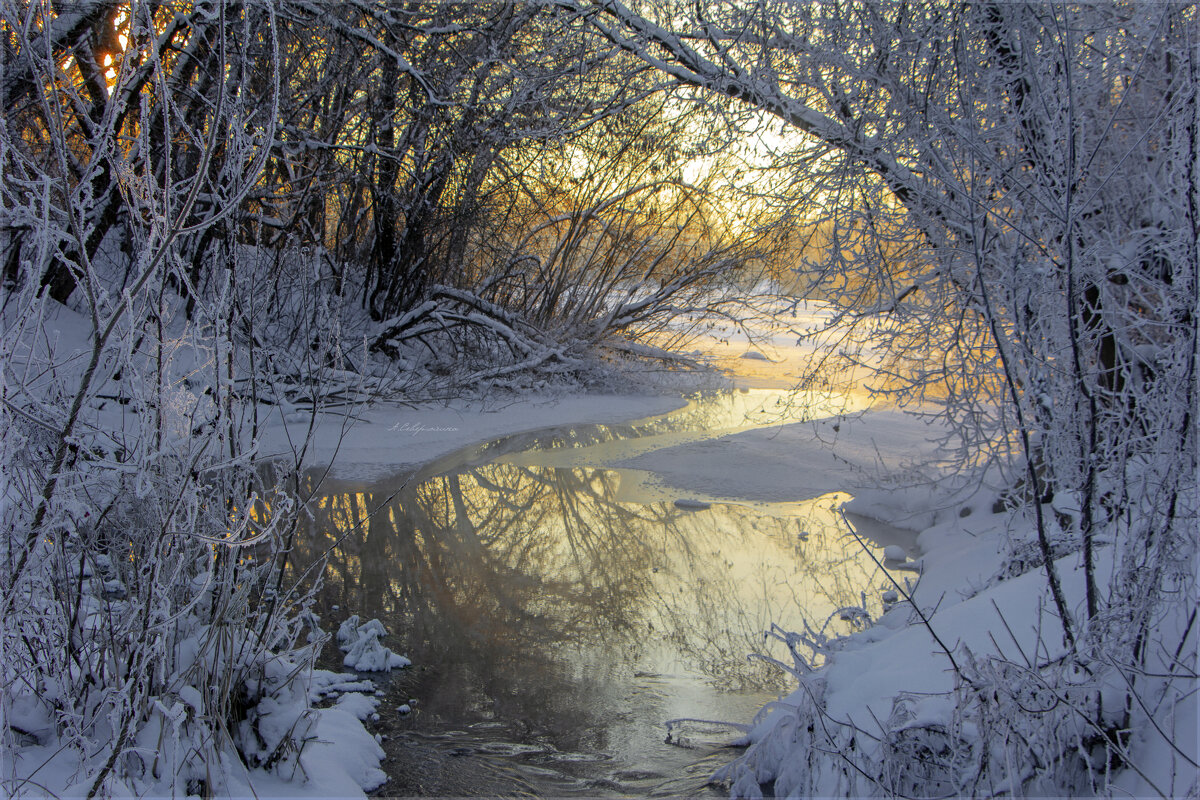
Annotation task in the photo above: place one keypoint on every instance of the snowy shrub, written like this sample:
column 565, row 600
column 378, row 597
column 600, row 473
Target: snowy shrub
column 149, row 634
column 364, row 652
column 1007, row 729
column 141, row 611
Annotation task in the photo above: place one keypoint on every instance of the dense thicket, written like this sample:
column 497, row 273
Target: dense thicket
column 411, row 145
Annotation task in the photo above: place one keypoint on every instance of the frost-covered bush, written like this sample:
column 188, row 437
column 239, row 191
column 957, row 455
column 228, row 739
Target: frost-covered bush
column 364, row 651
column 142, row 606
column 142, row 542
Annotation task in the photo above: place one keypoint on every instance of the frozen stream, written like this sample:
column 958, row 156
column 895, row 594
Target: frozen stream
column 558, row 611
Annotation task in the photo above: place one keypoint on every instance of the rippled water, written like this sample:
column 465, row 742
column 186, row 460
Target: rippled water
column 556, row 625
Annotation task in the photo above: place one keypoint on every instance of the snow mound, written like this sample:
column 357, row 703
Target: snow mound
column 364, row 652
column 331, row 684
column 357, row 704
column 299, row 751
column 340, row 758
column 350, row 632
column 368, row 655
column 372, row 627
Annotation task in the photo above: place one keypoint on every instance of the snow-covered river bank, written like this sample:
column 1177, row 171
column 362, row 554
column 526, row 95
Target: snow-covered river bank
column 561, row 607
column 568, row 580
column 564, row 593
column 569, row 574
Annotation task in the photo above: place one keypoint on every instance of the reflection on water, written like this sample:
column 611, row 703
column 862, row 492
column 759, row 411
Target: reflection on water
column 554, row 628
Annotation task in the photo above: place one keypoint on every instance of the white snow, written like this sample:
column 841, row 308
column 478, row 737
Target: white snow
column 368, row 655
column 347, row 633
column 358, row 704
column 340, row 757
column 899, row 667
column 365, row 652
column 372, row 627
column 798, row 461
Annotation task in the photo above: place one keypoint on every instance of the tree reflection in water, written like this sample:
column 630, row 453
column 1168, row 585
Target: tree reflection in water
column 556, row 628
column 533, row 570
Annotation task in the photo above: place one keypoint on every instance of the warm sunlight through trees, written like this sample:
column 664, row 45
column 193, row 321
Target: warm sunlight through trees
column 220, row 219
